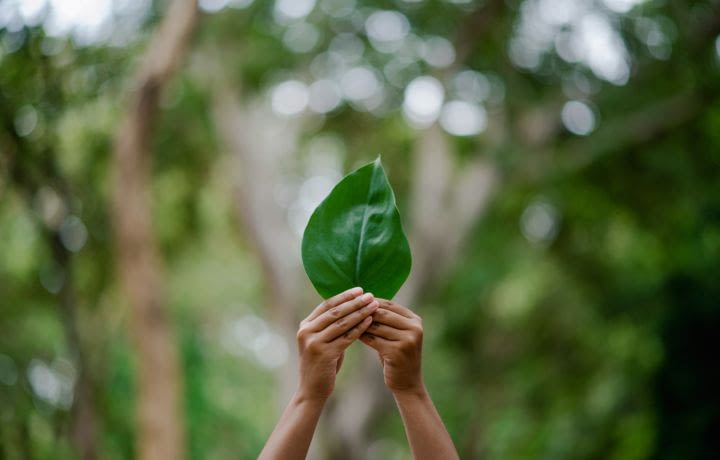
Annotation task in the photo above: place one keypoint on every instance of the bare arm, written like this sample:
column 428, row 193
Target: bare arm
column 322, row 339
column 396, row 334
column 292, row 436
column 426, row 433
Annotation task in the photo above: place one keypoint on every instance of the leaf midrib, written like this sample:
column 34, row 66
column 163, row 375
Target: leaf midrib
column 361, row 240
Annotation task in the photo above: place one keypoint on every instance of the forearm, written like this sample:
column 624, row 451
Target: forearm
column 292, row 436
column 425, row 430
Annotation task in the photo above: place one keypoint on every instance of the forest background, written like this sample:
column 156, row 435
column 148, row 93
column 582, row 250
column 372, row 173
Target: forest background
column 555, row 163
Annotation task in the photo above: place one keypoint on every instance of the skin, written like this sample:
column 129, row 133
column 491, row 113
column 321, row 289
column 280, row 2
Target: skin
column 322, row 340
column 396, row 334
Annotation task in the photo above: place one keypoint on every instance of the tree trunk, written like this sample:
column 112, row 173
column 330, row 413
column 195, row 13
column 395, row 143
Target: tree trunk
column 249, row 133
column 160, row 430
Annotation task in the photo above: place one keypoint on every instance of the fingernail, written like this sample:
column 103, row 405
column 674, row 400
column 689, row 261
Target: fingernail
column 367, row 296
column 356, row 291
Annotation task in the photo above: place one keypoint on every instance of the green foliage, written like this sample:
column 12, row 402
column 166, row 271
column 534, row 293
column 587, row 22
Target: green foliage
column 355, row 237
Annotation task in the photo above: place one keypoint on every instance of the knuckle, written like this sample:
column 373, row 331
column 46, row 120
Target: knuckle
column 417, row 334
column 351, row 333
column 313, row 346
column 302, row 332
column 335, row 312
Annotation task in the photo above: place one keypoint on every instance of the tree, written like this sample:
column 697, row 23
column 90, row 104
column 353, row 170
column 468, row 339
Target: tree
column 159, row 377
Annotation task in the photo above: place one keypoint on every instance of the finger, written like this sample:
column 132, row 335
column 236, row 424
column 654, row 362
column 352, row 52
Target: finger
column 335, row 313
column 373, row 341
column 344, row 324
column 352, row 335
column 397, row 308
column 390, row 318
column 334, row 302
column 386, row 332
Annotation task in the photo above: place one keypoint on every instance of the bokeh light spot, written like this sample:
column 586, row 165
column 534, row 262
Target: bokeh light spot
column 73, row 234
column 539, row 222
column 578, row 118
column 301, row 37
column 212, row 6
column 26, row 120
column 289, row 98
column 359, row 83
column 325, row 96
column 462, row 118
column 471, row 86
column 338, row 8
column 53, row 384
column 622, row 6
column 289, row 10
column 386, row 30
column 423, row 101
column 438, row 52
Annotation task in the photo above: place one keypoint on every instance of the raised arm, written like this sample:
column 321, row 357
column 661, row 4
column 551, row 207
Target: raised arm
column 396, row 334
column 322, row 339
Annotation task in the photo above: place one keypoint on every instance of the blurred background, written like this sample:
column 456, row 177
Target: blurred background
column 556, row 167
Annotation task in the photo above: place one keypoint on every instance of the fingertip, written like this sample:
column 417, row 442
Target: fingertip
column 364, row 325
column 356, row 291
column 367, row 297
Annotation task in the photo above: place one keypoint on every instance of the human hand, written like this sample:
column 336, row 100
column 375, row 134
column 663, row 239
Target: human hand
column 396, row 334
column 325, row 334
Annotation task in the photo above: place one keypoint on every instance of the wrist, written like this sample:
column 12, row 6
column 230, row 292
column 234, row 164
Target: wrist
column 303, row 395
column 417, row 390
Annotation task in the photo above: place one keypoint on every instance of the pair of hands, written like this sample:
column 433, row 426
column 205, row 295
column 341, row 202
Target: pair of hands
column 391, row 329
column 396, row 334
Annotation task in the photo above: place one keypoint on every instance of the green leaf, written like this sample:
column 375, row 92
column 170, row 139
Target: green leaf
column 355, row 237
